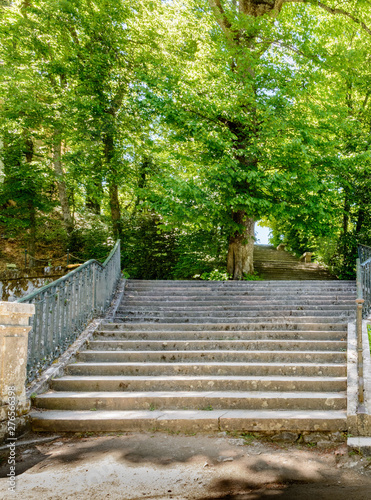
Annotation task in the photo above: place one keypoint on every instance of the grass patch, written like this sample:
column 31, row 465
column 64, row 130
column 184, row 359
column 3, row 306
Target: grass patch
column 207, row 408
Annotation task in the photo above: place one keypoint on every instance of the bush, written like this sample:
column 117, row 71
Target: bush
column 215, row 275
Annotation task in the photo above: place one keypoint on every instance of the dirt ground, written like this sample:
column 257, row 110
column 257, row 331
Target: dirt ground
column 164, row 466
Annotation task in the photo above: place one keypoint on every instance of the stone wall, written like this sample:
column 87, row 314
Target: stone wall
column 15, row 284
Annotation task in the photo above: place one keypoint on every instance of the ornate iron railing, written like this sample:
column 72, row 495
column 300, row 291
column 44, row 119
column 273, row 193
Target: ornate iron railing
column 63, row 308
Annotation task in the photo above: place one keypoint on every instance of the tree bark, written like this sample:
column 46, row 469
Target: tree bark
column 360, row 219
column 62, row 189
column 29, row 151
column 241, row 247
column 94, row 195
column 32, row 240
column 112, row 186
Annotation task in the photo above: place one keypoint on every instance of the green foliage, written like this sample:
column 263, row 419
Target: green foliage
column 170, row 121
column 146, row 252
column 251, row 277
column 215, row 275
column 91, row 239
column 198, row 251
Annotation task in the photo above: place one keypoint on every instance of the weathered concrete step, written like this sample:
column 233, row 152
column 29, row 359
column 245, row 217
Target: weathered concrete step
column 241, row 325
column 263, row 289
column 118, row 401
column 189, row 421
column 200, row 383
column 235, row 285
column 229, row 283
column 239, row 300
column 266, row 284
column 252, row 322
column 240, row 295
column 190, row 314
column 207, row 368
column 300, row 286
column 103, row 335
column 207, row 308
column 231, row 345
column 263, row 302
column 213, row 355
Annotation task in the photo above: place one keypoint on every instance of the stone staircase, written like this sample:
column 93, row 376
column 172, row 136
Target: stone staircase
column 185, row 356
column 272, row 264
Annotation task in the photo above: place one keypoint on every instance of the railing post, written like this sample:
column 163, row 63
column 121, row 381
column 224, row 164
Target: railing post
column 14, row 329
column 359, row 302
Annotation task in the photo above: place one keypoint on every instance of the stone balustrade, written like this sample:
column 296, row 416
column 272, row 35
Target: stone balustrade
column 14, row 330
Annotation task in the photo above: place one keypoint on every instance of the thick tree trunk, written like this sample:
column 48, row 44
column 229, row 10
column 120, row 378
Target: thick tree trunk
column 62, row 189
column 94, row 195
column 112, row 186
column 360, row 219
column 31, row 210
column 240, row 258
column 115, row 209
column 32, row 240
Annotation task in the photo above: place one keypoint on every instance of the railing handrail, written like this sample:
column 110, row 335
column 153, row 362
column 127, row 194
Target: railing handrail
column 364, row 253
column 64, row 307
column 70, row 274
column 365, row 246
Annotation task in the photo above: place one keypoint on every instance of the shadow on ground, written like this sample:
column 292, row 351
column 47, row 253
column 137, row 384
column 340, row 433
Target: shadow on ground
column 207, row 467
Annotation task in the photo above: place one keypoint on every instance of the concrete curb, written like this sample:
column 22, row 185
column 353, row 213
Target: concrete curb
column 359, row 425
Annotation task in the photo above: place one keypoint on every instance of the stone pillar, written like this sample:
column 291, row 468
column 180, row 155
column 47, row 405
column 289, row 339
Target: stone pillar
column 14, row 328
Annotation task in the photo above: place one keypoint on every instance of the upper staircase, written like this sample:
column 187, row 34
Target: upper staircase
column 272, row 264
column 192, row 355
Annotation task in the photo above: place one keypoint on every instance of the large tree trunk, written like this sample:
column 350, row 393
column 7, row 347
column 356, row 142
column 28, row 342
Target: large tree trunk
column 62, row 189
column 32, row 240
column 115, row 209
column 240, row 258
column 112, row 186
column 29, row 152
column 94, row 195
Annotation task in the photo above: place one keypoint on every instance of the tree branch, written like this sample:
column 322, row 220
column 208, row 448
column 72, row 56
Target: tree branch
column 221, row 18
column 334, row 10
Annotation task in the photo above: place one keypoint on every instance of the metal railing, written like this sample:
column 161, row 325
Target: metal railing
column 363, row 302
column 63, row 308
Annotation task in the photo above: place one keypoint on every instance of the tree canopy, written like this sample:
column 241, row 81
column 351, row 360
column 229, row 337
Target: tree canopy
column 176, row 125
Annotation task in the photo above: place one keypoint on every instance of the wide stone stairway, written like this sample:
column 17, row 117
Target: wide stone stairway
column 271, row 264
column 192, row 355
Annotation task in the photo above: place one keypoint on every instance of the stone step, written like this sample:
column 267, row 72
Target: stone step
column 230, row 345
column 200, row 383
column 230, row 283
column 207, row 368
column 257, row 294
column 119, row 401
column 263, row 287
column 103, row 335
column 202, row 300
column 240, row 326
column 246, row 303
column 251, row 322
column 190, row 421
column 242, row 286
column 213, row 355
column 243, row 307
column 131, row 313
